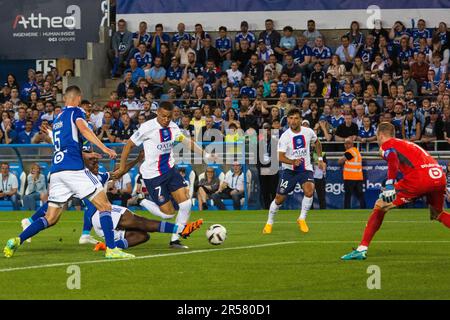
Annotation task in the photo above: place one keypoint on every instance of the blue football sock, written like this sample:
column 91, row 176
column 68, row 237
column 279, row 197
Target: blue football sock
column 39, row 213
column 36, row 227
column 87, row 223
column 107, row 227
column 167, row 227
column 122, row 244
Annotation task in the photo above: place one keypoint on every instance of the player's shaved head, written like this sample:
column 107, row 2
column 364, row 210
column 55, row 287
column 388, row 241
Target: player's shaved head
column 387, row 129
column 72, row 96
column 73, row 91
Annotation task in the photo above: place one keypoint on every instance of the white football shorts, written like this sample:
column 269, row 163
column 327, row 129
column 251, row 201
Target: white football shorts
column 116, row 214
column 66, row 184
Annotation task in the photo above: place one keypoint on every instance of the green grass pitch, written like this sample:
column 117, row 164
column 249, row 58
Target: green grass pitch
column 413, row 255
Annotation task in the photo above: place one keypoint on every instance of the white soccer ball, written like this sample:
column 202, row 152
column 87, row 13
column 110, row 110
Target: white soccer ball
column 216, row 234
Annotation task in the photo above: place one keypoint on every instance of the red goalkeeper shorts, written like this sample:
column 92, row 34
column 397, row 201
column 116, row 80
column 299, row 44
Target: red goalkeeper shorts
column 428, row 182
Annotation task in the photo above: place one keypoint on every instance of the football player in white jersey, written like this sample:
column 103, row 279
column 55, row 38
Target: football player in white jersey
column 162, row 180
column 294, row 154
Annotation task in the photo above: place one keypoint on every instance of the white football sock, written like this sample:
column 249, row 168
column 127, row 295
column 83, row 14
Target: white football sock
column 306, row 205
column 362, row 248
column 272, row 212
column 184, row 213
column 154, row 209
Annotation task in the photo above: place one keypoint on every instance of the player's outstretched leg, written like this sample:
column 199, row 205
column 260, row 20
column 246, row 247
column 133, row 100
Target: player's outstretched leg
column 154, row 209
column 14, row 243
column 40, row 212
column 373, row 225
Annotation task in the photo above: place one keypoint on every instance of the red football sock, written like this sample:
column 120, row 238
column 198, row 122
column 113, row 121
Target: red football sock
column 374, row 223
column 444, row 218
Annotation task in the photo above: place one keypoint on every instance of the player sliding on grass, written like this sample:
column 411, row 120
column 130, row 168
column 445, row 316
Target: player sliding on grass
column 129, row 229
column 161, row 179
column 422, row 177
column 70, row 178
column 294, row 154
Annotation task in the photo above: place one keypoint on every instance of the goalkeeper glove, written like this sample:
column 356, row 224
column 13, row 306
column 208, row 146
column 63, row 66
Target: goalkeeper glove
column 388, row 194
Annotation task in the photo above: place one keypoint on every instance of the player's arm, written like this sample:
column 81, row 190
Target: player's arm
column 293, row 162
column 133, row 163
column 388, row 194
column 92, row 138
column 123, row 160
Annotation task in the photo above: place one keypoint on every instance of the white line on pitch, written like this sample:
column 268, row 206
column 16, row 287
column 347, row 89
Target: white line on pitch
column 43, row 266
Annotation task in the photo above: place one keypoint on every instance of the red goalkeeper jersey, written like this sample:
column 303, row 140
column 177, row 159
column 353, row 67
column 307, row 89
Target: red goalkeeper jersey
column 406, row 157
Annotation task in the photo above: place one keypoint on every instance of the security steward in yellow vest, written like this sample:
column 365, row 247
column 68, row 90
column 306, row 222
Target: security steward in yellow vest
column 353, row 174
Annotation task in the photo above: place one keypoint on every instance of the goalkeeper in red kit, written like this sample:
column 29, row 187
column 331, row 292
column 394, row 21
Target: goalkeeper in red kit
column 422, row 177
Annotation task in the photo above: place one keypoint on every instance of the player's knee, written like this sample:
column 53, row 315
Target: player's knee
column 279, row 199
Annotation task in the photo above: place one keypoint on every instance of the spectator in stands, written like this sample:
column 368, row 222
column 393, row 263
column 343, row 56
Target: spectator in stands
column 156, row 78
column 183, row 53
column 29, row 86
column 105, row 132
column 355, row 36
column 36, row 188
column 232, row 187
column 346, row 52
column 9, row 186
column 136, row 72
column 207, row 187
column 174, row 75
column 11, row 81
column 140, row 192
column 223, row 43
column 254, row 70
column 245, row 35
column 421, row 32
column 358, row 69
column 132, row 104
column 336, row 68
column 141, row 37
column 263, row 53
column 208, row 52
column 9, row 133
column 411, row 129
column 179, row 37
column 433, row 129
column 124, row 86
column 165, row 55
column 159, row 38
column 128, row 129
column 408, row 82
column 287, row 42
column 198, row 37
column 186, row 127
column 321, row 54
column 270, row 35
column 311, row 33
column 353, row 174
column 121, row 43
column 120, row 189
column 42, row 137
column 347, row 130
column 243, row 55
column 24, row 137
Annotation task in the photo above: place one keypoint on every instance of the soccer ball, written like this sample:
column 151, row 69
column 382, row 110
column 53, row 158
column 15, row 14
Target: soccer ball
column 216, row 234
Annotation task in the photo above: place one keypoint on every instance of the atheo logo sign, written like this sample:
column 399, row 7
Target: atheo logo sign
column 39, row 21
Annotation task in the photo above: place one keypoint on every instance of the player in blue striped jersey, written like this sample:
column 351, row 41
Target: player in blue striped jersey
column 69, row 177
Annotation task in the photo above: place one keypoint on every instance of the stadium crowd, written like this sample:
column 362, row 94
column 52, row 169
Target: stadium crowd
column 249, row 82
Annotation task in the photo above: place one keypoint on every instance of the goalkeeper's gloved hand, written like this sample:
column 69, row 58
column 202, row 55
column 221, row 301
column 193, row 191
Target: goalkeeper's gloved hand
column 388, row 194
